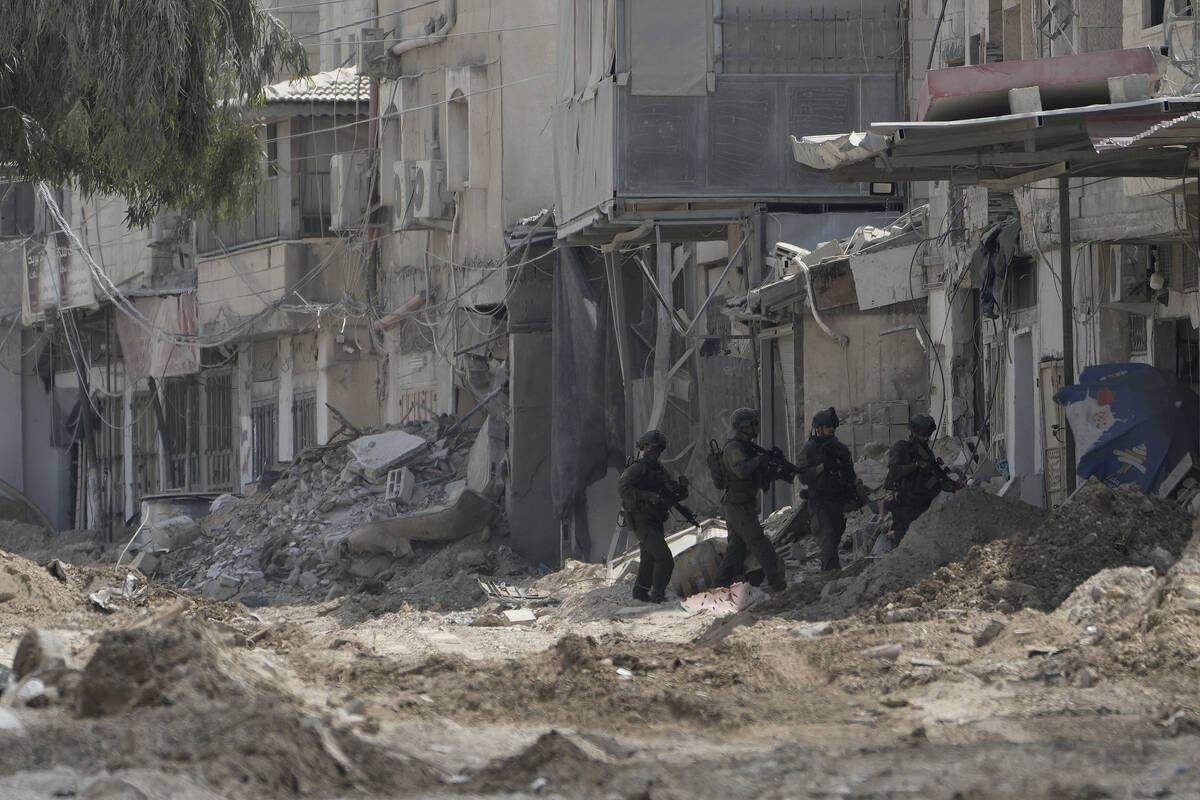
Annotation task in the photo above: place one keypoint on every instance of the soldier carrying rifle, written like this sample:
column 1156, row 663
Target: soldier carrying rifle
column 648, row 493
column 742, row 470
column 828, row 471
column 915, row 475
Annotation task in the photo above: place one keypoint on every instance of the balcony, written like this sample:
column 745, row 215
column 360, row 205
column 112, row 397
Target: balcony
column 681, row 122
column 262, row 224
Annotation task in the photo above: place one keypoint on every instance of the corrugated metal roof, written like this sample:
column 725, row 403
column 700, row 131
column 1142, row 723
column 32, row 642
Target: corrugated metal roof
column 345, row 85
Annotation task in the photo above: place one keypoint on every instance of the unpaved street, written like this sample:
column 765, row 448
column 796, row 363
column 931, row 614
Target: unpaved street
column 1028, row 669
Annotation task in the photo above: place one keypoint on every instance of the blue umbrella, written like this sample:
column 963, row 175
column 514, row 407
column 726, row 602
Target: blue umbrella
column 1132, row 423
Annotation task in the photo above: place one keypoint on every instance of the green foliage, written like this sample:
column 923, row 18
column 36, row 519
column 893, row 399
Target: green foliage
column 144, row 99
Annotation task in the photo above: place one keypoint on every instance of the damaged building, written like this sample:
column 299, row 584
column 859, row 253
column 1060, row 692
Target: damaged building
column 1053, row 149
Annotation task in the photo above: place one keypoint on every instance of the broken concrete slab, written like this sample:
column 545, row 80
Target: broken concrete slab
column 520, row 616
column 221, row 588
column 485, row 458
column 464, row 512
column 379, row 452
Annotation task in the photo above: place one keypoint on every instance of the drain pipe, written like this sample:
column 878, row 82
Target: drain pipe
column 437, row 29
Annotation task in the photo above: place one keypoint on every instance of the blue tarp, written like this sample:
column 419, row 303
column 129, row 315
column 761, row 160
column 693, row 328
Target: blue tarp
column 1133, row 423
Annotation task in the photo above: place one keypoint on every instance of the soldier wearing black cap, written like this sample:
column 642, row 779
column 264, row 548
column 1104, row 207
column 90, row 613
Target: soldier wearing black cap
column 829, row 475
column 641, row 487
column 914, row 475
column 746, row 473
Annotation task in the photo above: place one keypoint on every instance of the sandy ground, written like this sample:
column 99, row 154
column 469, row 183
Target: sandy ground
column 1009, row 673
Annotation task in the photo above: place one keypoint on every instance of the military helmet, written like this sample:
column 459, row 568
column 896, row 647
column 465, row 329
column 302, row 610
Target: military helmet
column 653, row 438
column 743, row 418
column 825, row 418
column 922, row 425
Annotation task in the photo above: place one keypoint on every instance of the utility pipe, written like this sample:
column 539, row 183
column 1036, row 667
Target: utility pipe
column 437, row 35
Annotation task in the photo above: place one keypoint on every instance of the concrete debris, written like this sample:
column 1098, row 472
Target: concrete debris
column 987, row 634
column 379, row 452
column 222, row 502
column 1040, row 566
column 520, row 616
column 812, row 630
column 910, row 614
column 103, row 599
column 885, row 652
column 328, row 524
column 485, row 460
column 464, row 512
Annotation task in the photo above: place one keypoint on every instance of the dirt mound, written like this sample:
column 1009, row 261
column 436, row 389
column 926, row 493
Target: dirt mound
column 29, row 593
column 135, row 668
column 1109, row 595
column 41, row 545
column 940, row 536
column 1100, row 528
column 553, row 761
column 1167, row 633
column 611, row 683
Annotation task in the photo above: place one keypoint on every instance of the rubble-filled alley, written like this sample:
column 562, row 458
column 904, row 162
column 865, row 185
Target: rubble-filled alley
column 998, row 652
column 616, row 399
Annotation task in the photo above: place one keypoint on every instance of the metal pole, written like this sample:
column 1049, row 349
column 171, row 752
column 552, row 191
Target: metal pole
column 1068, row 313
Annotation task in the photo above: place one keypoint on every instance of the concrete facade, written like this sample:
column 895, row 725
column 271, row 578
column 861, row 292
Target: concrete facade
column 1121, row 229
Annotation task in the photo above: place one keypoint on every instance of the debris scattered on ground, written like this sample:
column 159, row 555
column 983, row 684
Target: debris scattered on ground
column 940, row 536
column 329, row 526
column 1039, row 567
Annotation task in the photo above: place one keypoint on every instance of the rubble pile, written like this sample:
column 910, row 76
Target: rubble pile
column 340, row 519
column 941, row 536
column 1098, row 529
column 39, row 544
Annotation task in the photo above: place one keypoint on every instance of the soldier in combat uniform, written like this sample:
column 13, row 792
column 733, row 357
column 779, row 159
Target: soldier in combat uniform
column 746, row 473
column 645, row 488
column 914, row 475
column 829, row 475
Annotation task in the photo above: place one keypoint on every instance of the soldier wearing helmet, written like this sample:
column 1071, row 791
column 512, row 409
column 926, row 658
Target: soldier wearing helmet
column 829, row 475
column 643, row 487
column 914, row 475
column 747, row 472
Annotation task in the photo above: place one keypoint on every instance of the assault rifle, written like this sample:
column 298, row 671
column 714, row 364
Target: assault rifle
column 780, row 466
column 939, row 476
column 673, row 492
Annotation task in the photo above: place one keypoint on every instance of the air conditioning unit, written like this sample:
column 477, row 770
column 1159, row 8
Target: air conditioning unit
column 349, row 188
column 420, row 196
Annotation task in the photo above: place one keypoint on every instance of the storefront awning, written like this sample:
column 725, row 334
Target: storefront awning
column 1011, row 149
